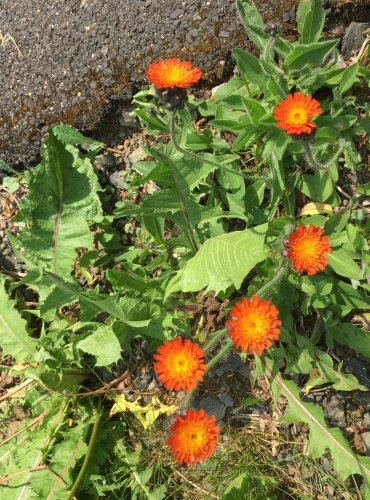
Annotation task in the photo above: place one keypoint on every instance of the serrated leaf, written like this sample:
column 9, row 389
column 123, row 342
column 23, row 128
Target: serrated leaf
column 62, row 201
column 223, row 261
column 70, row 135
column 321, row 438
column 310, row 20
column 14, row 339
column 103, row 344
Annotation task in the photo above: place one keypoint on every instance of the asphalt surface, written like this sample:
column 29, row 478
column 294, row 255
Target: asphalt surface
column 81, row 60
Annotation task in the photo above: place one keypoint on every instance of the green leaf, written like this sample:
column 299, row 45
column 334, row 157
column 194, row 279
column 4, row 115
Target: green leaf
column 156, row 123
column 223, row 261
column 310, row 20
column 352, row 336
column 313, row 54
column 321, row 438
column 70, row 135
column 14, row 339
column 349, row 77
column 247, row 486
column 103, row 344
column 7, row 168
column 251, row 67
column 319, row 187
column 62, row 201
column 343, row 264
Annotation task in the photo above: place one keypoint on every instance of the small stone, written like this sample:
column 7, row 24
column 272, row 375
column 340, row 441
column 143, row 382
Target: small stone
column 117, row 180
column 213, row 406
column 193, row 32
column 137, row 155
column 226, row 399
column 105, row 161
column 353, row 38
column 224, row 34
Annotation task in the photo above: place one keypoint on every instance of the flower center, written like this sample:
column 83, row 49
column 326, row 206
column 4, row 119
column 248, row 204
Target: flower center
column 307, row 249
column 183, row 365
column 298, row 116
column 254, row 325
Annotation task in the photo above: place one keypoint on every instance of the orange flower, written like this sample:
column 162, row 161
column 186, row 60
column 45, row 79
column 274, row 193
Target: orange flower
column 179, row 365
column 193, row 437
column 169, row 73
column 253, row 324
column 308, row 249
column 295, row 113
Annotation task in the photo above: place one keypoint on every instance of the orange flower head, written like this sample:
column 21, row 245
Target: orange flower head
column 170, row 73
column 193, row 437
column 179, row 365
column 254, row 324
column 308, row 249
column 295, row 113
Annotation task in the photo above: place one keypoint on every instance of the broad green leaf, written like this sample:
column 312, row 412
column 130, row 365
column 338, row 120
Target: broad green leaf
column 251, row 68
column 62, row 201
column 14, row 339
column 310, row 20
column 319, row 187
column 343, row 264
column 223, row 261
column 103, row 344
column 352, row 336
column 152, row 120
column 313, row 54
column 321, row 438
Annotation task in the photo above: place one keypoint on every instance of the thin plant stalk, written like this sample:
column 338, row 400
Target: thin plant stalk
column 89, row 451
column 316, row 164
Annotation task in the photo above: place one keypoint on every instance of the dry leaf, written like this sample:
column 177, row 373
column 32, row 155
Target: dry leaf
column 145, row 414
column 316, row 207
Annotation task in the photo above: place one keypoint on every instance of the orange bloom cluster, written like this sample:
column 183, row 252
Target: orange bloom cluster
column 295, row 113
column 254, row 324
column 308, row 249
column 170, row 73
column 179, row 365
column 193, row 437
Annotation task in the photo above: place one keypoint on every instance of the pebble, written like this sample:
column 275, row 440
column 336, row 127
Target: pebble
column 365, row 438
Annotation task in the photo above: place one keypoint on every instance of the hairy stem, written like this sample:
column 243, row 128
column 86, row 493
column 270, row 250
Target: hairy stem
column 216, row 337
column 316, row 164
column 270, row 285
column 185, row 152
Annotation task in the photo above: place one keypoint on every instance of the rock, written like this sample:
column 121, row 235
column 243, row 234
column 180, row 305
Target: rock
column 118, row 180
column 334, row 411
column 226, row 399
column 137, row 155
column 365, row 438
column 105, row 161
column 213, row 406
column 353, row 38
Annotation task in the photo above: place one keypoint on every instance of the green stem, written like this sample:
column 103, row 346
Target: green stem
column 216, row 359
column 90, row 448
column 185, row 152
column 266, row 289
column 216, row 337
column 316, row 164
column 268, row 47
